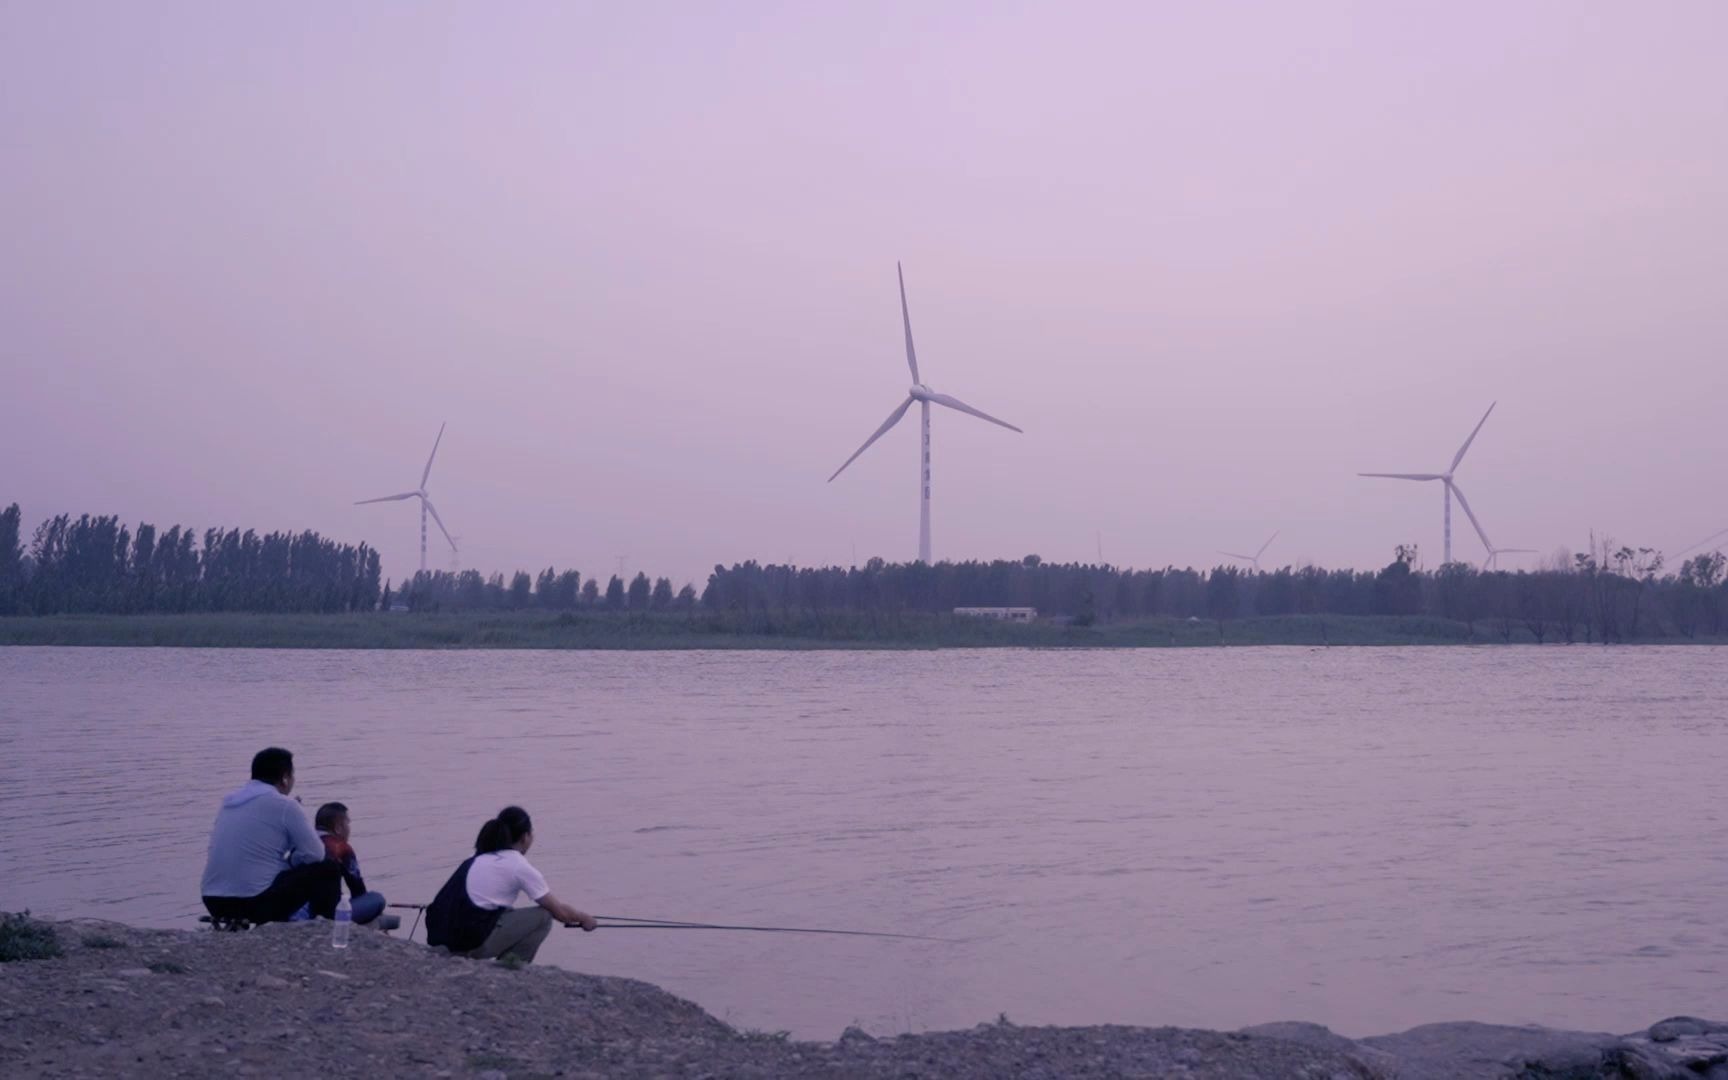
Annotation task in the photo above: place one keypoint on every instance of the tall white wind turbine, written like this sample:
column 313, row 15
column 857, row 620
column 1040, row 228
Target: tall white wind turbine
column 1254, row 558
column 1494, row 553
column 1449, row 487
column 924, row 396
column 426, row 506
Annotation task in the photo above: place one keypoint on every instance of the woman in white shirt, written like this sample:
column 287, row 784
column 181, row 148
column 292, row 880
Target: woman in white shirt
column 473, row 913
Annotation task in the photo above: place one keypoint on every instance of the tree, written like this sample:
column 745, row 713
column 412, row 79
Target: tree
column 590, row 593
column 614, row 593
column 1223, row 598
column 640, row 591
column 1534, row 604
column 662, row 598
column 11, row 561
column 686, row 597
column 1398, row 591
column 1697, row 586
column 521, row 590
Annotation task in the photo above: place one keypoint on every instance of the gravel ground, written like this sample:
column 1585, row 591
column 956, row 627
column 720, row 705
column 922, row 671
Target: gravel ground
column 278, row 1001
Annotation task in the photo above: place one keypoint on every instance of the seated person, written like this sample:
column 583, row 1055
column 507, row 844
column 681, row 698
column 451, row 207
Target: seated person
column 265, row 862
column 472, row 914
column 334, row 828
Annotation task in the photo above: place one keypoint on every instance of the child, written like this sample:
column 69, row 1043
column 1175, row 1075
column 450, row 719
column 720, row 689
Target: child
column 333, row 828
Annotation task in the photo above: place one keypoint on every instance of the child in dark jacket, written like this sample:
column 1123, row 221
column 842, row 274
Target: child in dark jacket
column 334, row 828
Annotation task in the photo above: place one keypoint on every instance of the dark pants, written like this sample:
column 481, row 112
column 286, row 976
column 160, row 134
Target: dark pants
column 292, row 889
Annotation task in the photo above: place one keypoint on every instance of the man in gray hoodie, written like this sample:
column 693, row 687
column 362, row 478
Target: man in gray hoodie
column 265, row 859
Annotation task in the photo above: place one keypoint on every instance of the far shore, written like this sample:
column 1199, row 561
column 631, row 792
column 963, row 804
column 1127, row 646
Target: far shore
column 755, row 630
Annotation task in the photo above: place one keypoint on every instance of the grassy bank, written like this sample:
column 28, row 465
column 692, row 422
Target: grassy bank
column 539, row 630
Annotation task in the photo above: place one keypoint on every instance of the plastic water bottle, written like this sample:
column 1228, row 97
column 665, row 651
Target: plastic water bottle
column 344, row 921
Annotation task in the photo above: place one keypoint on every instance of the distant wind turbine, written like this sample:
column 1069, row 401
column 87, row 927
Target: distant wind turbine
column 924, row 396
column 1450, row 488
column 426, row 506
column 1494, row 554
column 1254, row 558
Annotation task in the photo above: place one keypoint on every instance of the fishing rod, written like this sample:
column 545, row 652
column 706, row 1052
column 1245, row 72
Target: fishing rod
column 632, row 922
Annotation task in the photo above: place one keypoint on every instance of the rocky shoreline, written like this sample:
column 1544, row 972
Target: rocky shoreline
column 278, row 1001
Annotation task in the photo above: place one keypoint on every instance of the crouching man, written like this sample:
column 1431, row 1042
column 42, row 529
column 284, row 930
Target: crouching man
column 265, row 860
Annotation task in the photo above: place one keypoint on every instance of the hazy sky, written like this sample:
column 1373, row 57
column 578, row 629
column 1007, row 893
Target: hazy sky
column 1215, row 258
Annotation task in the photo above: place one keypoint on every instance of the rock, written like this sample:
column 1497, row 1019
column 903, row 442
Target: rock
column 270, row 982
column 1675, row 1026
column 133, row 973
column 333, row 974
column 212, row 1002
column 1298, row 1031
column 856, row 1036
column 1468, row 1049
column 493, row 1074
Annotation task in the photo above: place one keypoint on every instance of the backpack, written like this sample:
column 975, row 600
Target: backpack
column 456, row 922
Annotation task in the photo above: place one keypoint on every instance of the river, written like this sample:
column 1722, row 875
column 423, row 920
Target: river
column 1367, row 838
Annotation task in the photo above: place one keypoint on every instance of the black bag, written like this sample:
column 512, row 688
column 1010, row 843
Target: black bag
column 456, row 922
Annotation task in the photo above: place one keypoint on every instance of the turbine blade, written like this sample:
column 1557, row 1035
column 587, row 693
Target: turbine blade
column 1471, row 514
column 1404, row 475
column 1460, row 455
column 1233, row 555
column 906, row 318
column 434, row 512
column 893, row 418
column 1266, row 545
column 388, row 498
column 430, row 456
column 956, row 403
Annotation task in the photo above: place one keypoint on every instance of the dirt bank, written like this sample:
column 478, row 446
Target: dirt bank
column 278, row 1001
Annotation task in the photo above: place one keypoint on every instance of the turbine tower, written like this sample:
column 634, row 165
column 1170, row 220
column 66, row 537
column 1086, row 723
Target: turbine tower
column 426, row 506
column 925, row 397
column 1449, row 487
column 1254, row 558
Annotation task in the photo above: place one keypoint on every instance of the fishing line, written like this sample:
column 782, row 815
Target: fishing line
column 630, row 922
column 634, row 922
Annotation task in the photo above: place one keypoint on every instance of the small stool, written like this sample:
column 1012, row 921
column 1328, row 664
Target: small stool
column 223, row 924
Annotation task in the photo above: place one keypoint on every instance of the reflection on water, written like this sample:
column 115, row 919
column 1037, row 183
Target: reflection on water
column 1366, row 838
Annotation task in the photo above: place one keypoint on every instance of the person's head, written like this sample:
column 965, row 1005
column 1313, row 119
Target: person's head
column 510, row 829
column 332, row 818
column 274, row 766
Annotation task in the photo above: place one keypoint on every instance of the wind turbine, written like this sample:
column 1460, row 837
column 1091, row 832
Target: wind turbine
column 426, row 506
column 1450, row 488
column 924, row 396
column 1495, row 553
column 1254, row 558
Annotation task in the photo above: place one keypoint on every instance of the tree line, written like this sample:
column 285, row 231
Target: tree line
column 549, row 590
column 1608, row 593
column 95, row 564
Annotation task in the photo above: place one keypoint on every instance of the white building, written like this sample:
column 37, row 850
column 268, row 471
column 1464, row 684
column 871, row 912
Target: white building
column 1006, row 614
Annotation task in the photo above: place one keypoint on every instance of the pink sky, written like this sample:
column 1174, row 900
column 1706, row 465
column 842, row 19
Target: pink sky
column 1214, row 258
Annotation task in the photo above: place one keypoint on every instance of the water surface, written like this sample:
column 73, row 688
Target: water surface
column 1368, row 838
